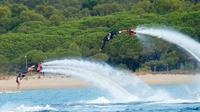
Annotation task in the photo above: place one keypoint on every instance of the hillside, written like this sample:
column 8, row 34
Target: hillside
column 45, row 30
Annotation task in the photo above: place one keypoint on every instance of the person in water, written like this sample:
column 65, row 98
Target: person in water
column 22, row 74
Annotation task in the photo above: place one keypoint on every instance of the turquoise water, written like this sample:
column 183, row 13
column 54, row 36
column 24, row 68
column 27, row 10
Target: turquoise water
column 89, row 99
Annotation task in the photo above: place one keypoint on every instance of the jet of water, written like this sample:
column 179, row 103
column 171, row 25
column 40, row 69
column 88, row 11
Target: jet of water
column 172, row 36
column 122, row 85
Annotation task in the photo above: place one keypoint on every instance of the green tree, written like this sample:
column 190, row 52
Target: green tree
column 144, row 6
column 170, row 59
column 70, row 50
column 85, row 12
column 47, row 11
column 71, row 12
column 30, row 16
column 17, row 9
column 100, row 56
column 74, row 50
column 105, row 9
column 89, row 4
column 56, row 53
column 30, row 27
column 5, row 14
column 167, row 6
column 33, row 57
column 36, row 56
column 5, row 64
column 56, row 19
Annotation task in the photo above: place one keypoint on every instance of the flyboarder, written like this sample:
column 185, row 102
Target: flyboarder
column 111, row 34
column 107, row 38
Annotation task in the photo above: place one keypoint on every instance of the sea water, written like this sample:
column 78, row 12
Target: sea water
column 90, row 99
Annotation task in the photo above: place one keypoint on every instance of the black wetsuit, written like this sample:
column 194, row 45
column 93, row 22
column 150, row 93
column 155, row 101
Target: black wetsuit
column 108, row 37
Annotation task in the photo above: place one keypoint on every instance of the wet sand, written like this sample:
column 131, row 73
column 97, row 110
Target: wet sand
column 32, row 82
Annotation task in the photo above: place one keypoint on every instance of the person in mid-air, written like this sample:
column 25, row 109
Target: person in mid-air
column 111, row 34
column 107, row 38
column 130, row 31
column 22, row 74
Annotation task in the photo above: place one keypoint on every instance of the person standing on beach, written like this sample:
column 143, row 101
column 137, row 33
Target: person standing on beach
column 39, row 69
column 22, row 73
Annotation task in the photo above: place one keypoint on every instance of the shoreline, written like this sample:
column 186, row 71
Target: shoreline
column 45, row 82
column 167, row 79
column 7, row 83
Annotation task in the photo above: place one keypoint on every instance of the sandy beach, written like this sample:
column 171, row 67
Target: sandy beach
column 32, row 82
column 167, row 78
column 45, row 82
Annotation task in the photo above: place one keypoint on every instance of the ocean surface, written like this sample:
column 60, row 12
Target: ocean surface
column 90, row 99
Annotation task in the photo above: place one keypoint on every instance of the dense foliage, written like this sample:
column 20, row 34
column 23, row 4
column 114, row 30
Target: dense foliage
column 49, row 29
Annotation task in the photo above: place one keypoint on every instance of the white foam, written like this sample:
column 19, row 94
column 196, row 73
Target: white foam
column 99, row 100
column 9, row 92
column 25, row 108
column 160, row 95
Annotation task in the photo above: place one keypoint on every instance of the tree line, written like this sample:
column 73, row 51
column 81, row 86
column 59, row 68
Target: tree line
column 52, row 29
